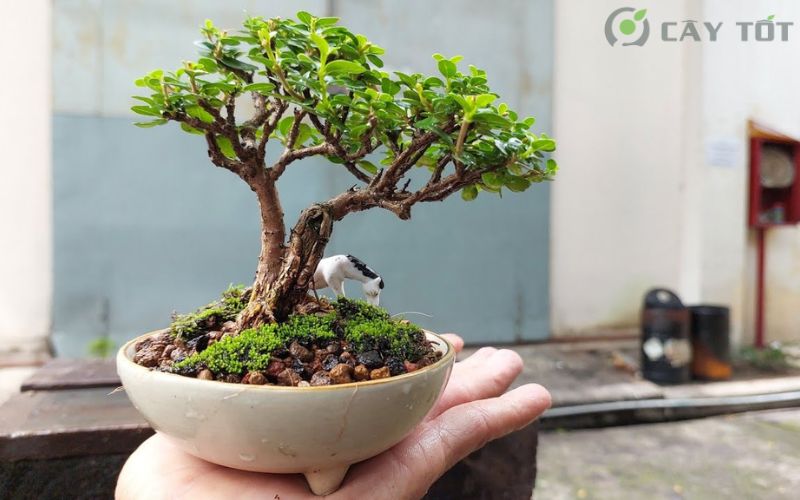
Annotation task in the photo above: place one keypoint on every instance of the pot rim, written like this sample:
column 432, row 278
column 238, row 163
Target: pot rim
column 446, row 358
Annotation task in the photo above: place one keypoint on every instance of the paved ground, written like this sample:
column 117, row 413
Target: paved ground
column 747, row 456
column 600, row 371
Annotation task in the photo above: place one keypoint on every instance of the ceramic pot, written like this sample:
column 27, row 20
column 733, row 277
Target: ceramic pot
column 316, row 431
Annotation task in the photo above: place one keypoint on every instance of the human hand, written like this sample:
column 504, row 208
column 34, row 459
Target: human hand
column 472, row 411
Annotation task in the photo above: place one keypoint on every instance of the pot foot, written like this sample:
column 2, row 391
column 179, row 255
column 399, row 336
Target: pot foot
column 326, row 481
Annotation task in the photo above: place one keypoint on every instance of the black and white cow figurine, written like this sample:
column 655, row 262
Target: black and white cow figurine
column 332, row 271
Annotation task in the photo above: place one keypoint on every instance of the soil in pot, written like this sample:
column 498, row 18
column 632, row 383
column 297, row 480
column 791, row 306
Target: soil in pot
column 324, row 344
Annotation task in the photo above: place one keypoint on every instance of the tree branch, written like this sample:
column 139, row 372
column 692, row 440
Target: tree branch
column 269, row 127
column 407, row 158
column 289, row 156
column 338, row 150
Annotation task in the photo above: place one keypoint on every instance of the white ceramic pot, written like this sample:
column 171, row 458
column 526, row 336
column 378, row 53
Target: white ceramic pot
column 316, row 431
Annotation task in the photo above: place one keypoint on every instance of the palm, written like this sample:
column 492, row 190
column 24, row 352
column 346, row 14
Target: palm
column 471, row 411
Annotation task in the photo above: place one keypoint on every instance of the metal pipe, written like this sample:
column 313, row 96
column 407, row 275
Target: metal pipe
column 760, row 248
column 662, row 410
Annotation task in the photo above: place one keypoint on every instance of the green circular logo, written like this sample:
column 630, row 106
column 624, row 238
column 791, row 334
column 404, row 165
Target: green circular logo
column 626, row 23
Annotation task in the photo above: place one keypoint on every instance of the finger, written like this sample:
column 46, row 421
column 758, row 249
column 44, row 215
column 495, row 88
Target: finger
column 411, row 467
column 458, row 342
column 487, row 373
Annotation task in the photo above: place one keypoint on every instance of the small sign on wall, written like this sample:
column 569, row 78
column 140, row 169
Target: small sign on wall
column 725, row 152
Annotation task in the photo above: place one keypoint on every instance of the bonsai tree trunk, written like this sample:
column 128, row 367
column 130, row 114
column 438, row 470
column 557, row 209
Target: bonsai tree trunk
column 284, row 273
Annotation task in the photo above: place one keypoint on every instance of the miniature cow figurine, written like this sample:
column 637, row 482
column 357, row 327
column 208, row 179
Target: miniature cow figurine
column 332, row 271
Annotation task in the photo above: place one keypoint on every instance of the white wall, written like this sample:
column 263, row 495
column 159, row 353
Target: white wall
column 742, row 81
column 638, row 203
column 617, row 212
column 25, row 181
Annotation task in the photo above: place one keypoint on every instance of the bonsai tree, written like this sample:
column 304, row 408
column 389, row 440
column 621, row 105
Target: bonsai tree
column 318, row 89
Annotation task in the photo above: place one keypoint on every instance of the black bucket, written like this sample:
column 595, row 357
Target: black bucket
column 665, row 348
column 711, row 348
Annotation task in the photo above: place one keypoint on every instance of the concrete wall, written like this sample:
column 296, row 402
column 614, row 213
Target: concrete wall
column 617, row 219
column 25, row 182
column 642, row 199
column 741, row 81
column 144, row 224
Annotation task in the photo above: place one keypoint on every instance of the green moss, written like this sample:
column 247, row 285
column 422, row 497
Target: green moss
column 358, row 310
column 307, row 329
column 250, row 350
column 189, row 326
column 364, row 327
column 400, row 340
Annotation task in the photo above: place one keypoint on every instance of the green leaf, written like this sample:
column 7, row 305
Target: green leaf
column 447, row 68
column 226, row 147
column 544, row 145
column 305, row 17
column 492, row 179
column 260, row 87
column 368, row 166
column 375, row 60
column 466, row 104
column 322, row 45
column 236, row 64
column 199, row 113
column 492, row 119
column 145, row 110
column 191, row 130
column 639, row 15
column 154, row 123
column 342, row 67
column 389, row 86
column 207, row 64
column 285, row 125
column 484, row 100
column 517, row 184
column 324, row 22
column 469, row 193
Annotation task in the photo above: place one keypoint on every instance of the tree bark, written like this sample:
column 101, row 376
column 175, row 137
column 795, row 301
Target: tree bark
column 285, row 274
column 273, row 249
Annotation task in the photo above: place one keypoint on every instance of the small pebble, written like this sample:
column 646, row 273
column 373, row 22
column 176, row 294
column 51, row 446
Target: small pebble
column 370, row 359
column 334, row 348
column 168, row 350
column 303, row 383
column 274, row 367
column 205, row 375
column 379, row 373
column 361, row 372
column 320, row 378
column 300, row 352
column 228, row 326
column 410, row 367
column 330, row 362
column 288, row 377
column 341, row 374
column 396, row 366
column 315, row 366
column 257, row 378
column 232, row 378
column 177, row 354
column 149, row 356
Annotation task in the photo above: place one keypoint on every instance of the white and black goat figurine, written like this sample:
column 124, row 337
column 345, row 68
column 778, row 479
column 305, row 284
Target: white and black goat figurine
column 332, row 271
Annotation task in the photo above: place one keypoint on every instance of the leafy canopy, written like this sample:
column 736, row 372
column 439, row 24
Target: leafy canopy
column 334, row 78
